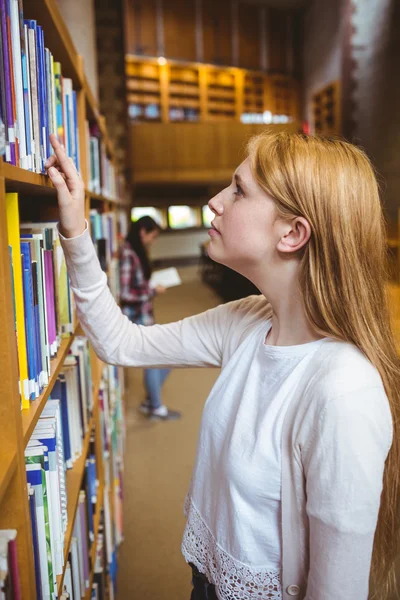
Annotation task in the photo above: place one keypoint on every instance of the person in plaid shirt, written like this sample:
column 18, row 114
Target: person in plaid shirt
column 136, row 297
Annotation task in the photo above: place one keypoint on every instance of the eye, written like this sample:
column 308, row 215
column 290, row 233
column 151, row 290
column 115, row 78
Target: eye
column 238, row 191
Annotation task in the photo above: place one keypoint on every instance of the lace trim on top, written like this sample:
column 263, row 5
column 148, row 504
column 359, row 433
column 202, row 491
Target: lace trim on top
column 232, row 579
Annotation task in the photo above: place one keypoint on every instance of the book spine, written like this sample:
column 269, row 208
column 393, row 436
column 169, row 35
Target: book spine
column 30, row 319
column 34, row 95
column 50, row 302
column 35, row 542
column 10, row 131
column 12, row 79
column 76, row 132
column 19, row 92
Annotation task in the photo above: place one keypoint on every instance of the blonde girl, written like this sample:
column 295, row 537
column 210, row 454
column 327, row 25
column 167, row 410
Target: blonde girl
column 295, row 486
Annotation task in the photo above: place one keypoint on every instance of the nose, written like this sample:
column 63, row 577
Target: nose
column 216, row 205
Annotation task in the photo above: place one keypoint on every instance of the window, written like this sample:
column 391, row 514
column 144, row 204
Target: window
column 156, row 213
column 207, row 215
column 182, row 217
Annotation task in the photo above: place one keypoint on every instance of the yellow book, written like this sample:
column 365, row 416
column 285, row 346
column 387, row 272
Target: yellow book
column 14, row 242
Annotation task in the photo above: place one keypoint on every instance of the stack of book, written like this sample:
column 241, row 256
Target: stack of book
column 9, row 574
column 112, row 429
column 103, row 227
column 44, row 310
column 54, row 447
column 101, row 172
column 35, row 99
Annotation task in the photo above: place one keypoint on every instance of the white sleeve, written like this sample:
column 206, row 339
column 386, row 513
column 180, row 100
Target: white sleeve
column 344, row 467
column 195, row 341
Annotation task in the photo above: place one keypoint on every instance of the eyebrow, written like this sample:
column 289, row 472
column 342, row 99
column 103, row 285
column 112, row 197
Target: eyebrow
column 240, row 181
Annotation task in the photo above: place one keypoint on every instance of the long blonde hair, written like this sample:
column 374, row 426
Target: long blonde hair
column 343, row 276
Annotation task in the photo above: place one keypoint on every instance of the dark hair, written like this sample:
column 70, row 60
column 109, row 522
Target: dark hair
column 133, row 238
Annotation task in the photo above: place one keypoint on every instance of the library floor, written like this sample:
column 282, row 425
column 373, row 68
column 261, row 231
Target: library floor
column 158, row 464
column 159, row 459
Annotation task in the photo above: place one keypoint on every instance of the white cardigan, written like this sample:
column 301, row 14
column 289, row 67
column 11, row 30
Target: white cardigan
column 336, row 433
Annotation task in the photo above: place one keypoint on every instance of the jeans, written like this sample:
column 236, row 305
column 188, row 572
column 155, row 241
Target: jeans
column 153, row 381
column 202, row 588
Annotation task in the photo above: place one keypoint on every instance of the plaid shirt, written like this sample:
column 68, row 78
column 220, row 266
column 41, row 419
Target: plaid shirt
column 136, row 294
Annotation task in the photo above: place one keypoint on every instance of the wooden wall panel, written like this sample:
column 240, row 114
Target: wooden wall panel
column 217, row 31
column 189, row 152
column 249, row 36
column 277, row 40
column 179, row 29
column 141, row 27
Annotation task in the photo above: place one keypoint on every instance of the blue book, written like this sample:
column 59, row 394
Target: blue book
column 36, row 313
column 35, row 542
column 41, row 92
column 67, row 126
column 89, row 503
column 27, row 91
column 76, row 133
column 29, row 318
column 59, row 392
column 46, row 114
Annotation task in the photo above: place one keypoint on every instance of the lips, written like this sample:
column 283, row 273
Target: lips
column 213, row 226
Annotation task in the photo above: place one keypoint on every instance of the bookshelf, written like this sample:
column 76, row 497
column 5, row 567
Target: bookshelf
column 326, row 110
column 38, row 201
column 170, row 91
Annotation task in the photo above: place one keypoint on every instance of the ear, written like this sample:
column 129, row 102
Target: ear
column 296, row 234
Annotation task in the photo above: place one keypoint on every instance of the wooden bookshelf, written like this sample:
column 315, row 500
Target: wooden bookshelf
column 207, row 92
column 326, row 110
column 31, row 416
column 38, row 201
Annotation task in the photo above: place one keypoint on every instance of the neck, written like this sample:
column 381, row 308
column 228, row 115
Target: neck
column 290, row 326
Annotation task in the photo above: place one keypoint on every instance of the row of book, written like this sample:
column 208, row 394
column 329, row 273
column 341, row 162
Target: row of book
column 102, row 178
column 112, row 434
column 35, row 100
column 105, row 231
column 44, row 310
column 55, row 445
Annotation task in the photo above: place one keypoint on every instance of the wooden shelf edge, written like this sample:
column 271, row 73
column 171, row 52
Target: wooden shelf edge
column 8, row 467
column 74, row 482
column 31, row 415
column 16, row 175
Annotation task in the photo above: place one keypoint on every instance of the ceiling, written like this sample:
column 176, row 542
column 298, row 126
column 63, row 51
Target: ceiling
column 284, row 4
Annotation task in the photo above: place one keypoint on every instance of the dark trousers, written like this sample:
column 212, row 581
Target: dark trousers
column 202, row 588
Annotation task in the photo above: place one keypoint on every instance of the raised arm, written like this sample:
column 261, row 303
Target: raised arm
column 344, row 465
column 196, row 341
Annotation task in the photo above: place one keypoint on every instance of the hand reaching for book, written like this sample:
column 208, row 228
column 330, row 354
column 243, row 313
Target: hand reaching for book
column 70, row 190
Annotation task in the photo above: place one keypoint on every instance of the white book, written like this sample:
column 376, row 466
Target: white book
column 45, row 432
column 78, row 350
column 165, row 277
column 34, row 96
column 68, row 582
column 53, row 409
column 19, row 90
column 78, row 535
column 74, row 405
column 108, row 526
column 34, row 476
column 75, row 569
column 67, row 93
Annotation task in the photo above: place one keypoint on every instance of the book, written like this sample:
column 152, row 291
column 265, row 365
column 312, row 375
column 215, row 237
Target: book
column 12, row 212
column 165, row 277
column 9, row 571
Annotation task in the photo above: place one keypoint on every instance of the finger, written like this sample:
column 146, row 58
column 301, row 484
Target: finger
column 63, row 160
column 59, row 183
column 51, row 161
